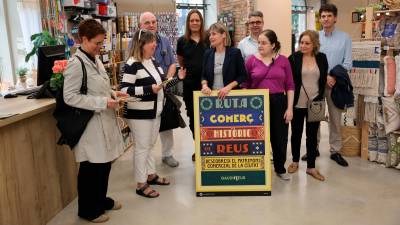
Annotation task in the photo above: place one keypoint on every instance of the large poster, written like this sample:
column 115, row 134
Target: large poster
column 232, row 143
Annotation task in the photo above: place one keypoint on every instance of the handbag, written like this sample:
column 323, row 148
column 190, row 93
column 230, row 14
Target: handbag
column 171, row 114
column 315, row 109
column 72, row 121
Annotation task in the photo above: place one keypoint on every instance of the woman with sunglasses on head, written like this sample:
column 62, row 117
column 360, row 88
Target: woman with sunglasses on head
column 268, row 69
column 190, row 51
column 310, row 69
column 143, row 80
column 223, row 66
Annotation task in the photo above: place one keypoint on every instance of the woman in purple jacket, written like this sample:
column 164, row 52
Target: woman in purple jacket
column 267, row 69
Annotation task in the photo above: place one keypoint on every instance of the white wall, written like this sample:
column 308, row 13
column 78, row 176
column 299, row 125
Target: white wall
column 278, row 17
column 345, row 8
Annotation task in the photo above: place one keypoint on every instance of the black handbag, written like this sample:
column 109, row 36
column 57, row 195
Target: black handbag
column 72, row 121
column 171, row 115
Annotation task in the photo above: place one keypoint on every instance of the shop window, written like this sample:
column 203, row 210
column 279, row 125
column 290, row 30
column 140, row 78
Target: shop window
column 182, row 9
column 15, row 41
column 6, row 72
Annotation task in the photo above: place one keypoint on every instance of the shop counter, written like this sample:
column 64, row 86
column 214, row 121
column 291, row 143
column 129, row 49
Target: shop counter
column 37, row 176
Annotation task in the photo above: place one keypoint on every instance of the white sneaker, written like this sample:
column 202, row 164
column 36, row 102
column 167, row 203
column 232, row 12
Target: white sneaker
column 170, row 161
column 283, row 176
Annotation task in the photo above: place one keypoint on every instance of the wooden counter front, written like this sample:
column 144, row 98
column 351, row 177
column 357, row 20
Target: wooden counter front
column 37, row 177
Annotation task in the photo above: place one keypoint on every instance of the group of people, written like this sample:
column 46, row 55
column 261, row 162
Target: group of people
column 208, row 62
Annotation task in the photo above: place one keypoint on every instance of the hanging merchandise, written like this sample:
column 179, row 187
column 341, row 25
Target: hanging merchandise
column 128, row 24
column 397, row 61
column 389, row 75
column 366, row 64
column 228, row 20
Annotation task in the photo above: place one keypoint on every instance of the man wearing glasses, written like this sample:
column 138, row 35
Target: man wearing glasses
column 165, row 58
column 248, row 46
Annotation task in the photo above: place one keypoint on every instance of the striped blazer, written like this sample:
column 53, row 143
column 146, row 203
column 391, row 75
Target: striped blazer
column 137, row 81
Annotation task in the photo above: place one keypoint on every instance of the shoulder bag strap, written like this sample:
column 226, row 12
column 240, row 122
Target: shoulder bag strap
column 305, row 90
column 84, row 77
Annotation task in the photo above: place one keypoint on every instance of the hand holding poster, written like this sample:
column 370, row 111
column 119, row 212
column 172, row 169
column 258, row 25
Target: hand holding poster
column 232, row 143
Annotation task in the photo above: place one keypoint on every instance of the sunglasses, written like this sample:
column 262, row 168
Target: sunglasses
column 142, row 31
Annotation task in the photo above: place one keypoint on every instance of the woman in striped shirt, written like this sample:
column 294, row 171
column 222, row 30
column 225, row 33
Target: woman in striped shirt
column 143, row 81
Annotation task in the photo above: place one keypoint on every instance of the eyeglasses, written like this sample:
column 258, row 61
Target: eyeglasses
column 255, row 23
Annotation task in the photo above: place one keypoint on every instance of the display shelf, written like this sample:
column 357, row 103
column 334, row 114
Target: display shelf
column 388, row 11
column 103, row 17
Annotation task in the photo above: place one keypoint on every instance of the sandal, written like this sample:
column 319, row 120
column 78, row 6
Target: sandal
column 141, row 190
column 158, row 181
column 315, row 173
column 293, row 167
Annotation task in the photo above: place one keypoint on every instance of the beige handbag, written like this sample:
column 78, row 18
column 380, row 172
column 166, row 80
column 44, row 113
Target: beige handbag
column 315, row 109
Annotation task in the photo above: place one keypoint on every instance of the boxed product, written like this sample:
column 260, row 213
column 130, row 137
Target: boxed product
column 76, row 3
column 102, row 10
column 112, row 11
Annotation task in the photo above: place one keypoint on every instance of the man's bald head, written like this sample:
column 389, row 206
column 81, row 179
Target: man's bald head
column 148, row 21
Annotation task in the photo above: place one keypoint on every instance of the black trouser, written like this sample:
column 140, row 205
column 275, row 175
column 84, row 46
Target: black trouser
column 188, row 89
column 311, row 136
column 278, row 130
column 92, row 189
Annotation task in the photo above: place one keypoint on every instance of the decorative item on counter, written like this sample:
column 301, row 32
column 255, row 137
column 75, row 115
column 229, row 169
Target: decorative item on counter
column 21, row 72
column 57, row 78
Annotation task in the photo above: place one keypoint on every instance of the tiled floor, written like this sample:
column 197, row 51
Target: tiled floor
column 362, row 194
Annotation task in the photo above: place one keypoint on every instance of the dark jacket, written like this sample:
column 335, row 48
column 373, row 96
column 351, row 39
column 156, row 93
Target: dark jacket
column 232, row 70
column 342, row 92
column 296, row 62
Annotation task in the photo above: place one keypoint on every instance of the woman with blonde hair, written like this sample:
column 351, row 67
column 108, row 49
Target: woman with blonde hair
column 143, row 79
column 310, row 68
column 223, row 66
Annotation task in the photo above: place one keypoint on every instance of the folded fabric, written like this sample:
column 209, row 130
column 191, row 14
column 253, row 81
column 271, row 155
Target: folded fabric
column 390, row 114
column 390, row 75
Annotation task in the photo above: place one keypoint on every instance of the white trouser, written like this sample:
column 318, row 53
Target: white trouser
column 145, row 136
column 167, row 142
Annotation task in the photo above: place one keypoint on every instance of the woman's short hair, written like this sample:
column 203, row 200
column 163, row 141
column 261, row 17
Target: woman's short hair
column 314, row 37
column 221, row 28
column 90, row 28
column 272, row 38
column 188, row 32
column 140, row 38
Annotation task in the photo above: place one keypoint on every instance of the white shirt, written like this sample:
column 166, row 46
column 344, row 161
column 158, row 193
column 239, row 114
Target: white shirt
column 248, row 46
